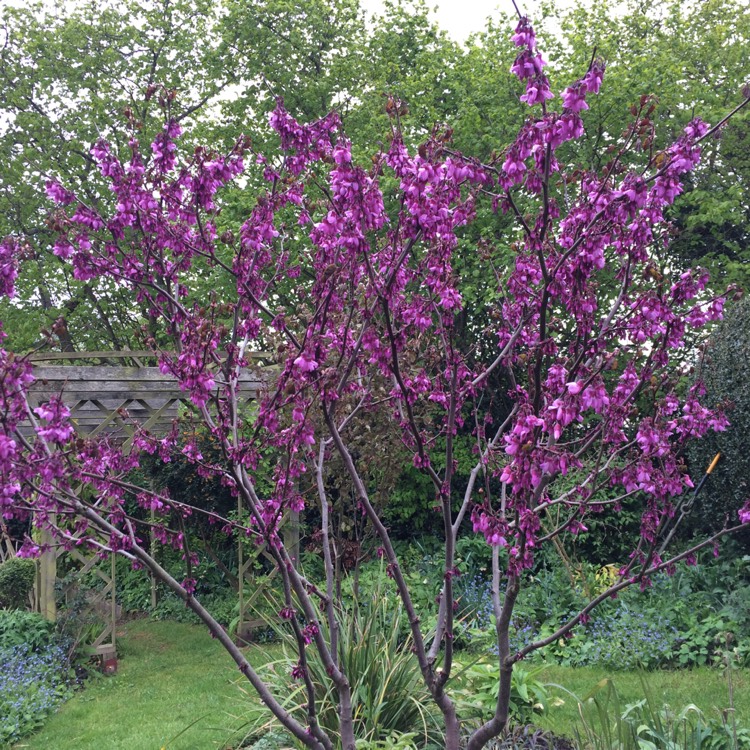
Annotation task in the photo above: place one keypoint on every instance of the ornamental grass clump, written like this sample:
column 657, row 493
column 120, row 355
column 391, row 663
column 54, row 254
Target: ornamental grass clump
column 384, row 676
column 605, row 723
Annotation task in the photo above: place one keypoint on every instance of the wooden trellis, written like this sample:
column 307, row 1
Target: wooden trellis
column 109, row 399
column 7, row 548
column 246, row 562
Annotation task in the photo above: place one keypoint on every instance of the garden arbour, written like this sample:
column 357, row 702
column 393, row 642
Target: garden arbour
column 118, row 396
column 578, row 398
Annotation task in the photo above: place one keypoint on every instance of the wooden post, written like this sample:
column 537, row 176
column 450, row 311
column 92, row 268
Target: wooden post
column 113, row 604
column 47, row 577
column 7, row 550
column 291, row 536
column 152, row 552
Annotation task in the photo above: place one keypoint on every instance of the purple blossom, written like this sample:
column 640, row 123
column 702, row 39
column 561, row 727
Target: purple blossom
column 524, row 34
column 58, row 428
column 593, row 78
column 305, row 364
column 57, row 193
column 574, row 97
column 309, row 632
column 537, row 91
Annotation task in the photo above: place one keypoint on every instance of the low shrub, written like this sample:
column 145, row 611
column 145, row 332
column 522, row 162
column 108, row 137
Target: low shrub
column 35, row 673
column 222, row 605
column 391, row 698
column 171, row 607
column 133, row 587
column 624, row 638
column 16, row 582
column 683, row 620
column 273, row 740
column 480, row 685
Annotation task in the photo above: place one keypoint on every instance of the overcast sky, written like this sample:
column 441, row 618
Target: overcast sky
column 458, row 17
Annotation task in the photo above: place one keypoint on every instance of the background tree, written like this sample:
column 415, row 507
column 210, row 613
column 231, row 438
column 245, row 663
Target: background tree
column 724, row 370
column 67, row 80
column 689, row 57
column 68, row 74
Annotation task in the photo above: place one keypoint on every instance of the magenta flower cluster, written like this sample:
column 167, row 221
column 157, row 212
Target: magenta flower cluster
column 590, row 387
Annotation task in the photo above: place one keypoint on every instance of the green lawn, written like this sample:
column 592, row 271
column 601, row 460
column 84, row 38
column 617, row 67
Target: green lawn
column 177, row 689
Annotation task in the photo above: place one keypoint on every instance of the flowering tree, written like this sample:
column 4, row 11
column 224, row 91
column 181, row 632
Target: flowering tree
column 574, row 409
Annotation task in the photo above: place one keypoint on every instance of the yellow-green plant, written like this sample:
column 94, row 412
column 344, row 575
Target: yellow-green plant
column 479, row 691
column 389, row 699
column 394, row 741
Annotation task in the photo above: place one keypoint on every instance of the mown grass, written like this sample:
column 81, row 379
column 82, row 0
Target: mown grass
column 178, row 689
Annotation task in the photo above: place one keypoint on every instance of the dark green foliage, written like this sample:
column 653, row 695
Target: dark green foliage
column 410, row 505
column 19, row 628
column 134, row 594
column 222, row 605
column 16, row 581
column 725, row 370
column 179, row 478
column 695, row 617
column 133, row 587
column 688, row 619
